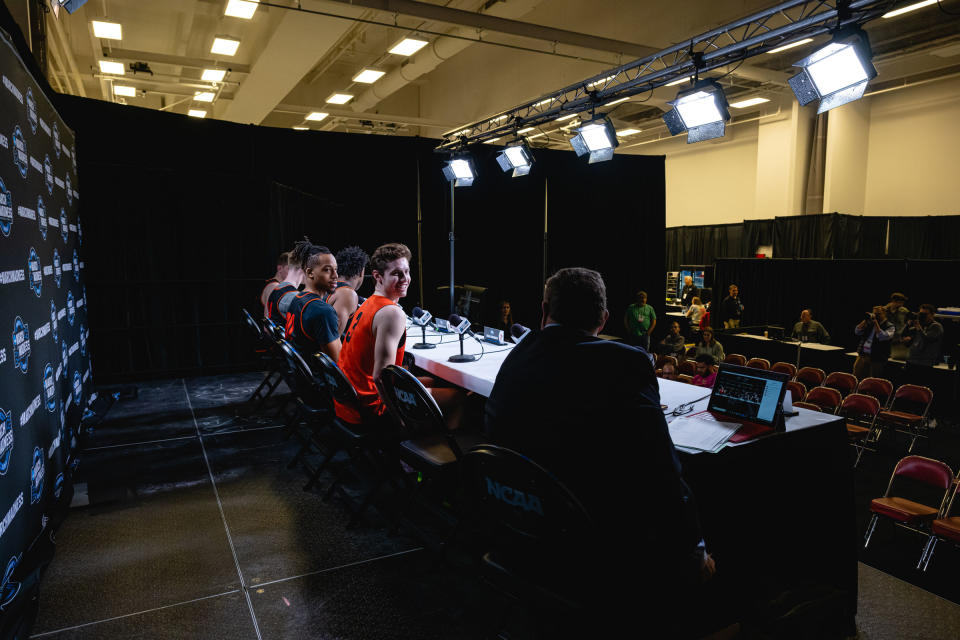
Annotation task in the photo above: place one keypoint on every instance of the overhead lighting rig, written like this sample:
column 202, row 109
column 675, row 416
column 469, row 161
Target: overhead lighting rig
column 837, row 73
column 516, row 158
column 460, row 170
column 702, row 111
column 596, row 139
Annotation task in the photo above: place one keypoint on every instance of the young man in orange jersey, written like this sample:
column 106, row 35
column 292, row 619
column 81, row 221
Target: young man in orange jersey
column 311, row 324
column 377, row 335
column 272, row 283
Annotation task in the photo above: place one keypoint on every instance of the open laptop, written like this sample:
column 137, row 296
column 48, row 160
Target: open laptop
column 751, row 397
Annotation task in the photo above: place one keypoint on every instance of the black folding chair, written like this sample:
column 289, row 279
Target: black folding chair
column 266, row 348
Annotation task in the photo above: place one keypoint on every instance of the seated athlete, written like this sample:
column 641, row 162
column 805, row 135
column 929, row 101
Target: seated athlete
column 311, row 324
column 277, row 278
column 377, row 336
column 351, row 265
column 278, row 302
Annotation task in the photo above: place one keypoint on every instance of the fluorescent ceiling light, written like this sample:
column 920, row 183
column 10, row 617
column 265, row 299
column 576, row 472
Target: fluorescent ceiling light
column 600, row 81
column 907, row 9
column 317, row 116
column 204, row 96
column 107, row 30
column 225, row 46
column 676, row 82
column 798, row 43
column 743, row 104
column 566, row 117
column 115, row 68
column 123, row 90
column 613, row 102
column 340, row 98
column 543, row 102
column 493, row 141
column 368, row 76
column 526, row 130
column 197, row 113
column 623, row 133
column 408, row 46
column 213, row 75
column 241, row 8
column 302, row 128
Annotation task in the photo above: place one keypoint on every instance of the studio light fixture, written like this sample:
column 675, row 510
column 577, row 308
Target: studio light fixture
column 317, row 116
column 197, row 113
column 340, row 98
column 516, row 158
column 597, row 139
column 837, row 73
column 213, row 75
column 241, row 8
column 204, row 96
column 408, row 46
column 111, row 67
column 123, row 90
column 368, row 76
column 225, row 46
column 701, row 111
column 107, row 30
column 460, row 171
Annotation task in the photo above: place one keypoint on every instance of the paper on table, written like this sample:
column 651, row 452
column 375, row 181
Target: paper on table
column 701, row 432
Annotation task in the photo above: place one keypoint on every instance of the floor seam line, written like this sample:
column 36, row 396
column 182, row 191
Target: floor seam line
column 337, row 568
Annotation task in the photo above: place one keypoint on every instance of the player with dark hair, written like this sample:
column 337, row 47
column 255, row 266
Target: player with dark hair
column 351, row 265
column 311, row 324
column 279, row 299
column 272, row 283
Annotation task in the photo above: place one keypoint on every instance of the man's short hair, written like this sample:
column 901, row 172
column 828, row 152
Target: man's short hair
column 351, row 261
column 387, row 253
column 897, row 297
column 706, row 359
column 930, row 308
column 284, row 259
column 576, row 297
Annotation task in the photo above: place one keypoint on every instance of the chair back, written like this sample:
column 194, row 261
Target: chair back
column 824, row 397
column 271, row 329
column 926, row 470
column 336, row 383
column 758, row 363
column 687, row 379
column 879, row 388
column 860, row 406
column 798, row 391
column 410, row 403
column 784, row 367
column 735, row 358
column 300, row 377
column 811, row 376
column 912, row 398
column 251, row 323
column 845, row 383
column 663, row 359
column 687, row 367
column 806, row 405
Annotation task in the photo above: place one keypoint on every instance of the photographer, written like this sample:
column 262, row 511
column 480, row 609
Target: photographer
column 875, row 332
column 923, row 335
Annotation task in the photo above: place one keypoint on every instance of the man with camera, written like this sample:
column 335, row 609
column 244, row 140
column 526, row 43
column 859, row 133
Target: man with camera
column 875, row 332
column 923, row 335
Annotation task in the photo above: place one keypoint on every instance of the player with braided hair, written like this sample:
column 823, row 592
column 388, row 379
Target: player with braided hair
column 351, row 265
column 311, row 323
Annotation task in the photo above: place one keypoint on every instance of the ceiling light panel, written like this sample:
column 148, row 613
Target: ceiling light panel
column 676, row 82
column 213, row 75
column 225, row 46
column 317, row 116
column 408, row 46
column 908, row 9
column 197, row 113
column 798, row 43
column 123, row 90
column 241, row 8
column 204, row 96
column 340, row 98
column 107, row 30
column 368, row 76
column 750, row 102
column 623, row 133
column 111, row 67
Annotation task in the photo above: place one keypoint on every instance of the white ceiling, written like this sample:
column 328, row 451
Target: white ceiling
column 291, row 59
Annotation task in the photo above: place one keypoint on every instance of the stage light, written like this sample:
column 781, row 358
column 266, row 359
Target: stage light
column 408, row 46
column 107, row 30
column 368, row 76
column 204, row 96
column 317, row 116
column 743, row 104
column 516, row 158
column 241, row 8
column 340, row 98
column 907, row 9
column 791, row 45
column 225, row 46
column 836, row 74
column 213, row 75
column 123, row 90
column 460, row 171
column 596, row 138
column 701, row 111
column 197, row 113
column 113, row 68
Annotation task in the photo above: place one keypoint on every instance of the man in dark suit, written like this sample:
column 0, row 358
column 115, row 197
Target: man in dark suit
column 588, row 410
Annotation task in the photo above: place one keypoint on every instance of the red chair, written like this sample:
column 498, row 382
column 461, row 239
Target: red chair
column 758, row 363
column 845, row 383
column 797, row 391
column 903, row 511
column 811, row 376
column 688, row 367
column 861, row 414
column 807, row 405
column 829, row 400
column 687, row 379
column 735, row 358
column 879, row 388
column 784, row 367
column 908, row 411
column 946, row 527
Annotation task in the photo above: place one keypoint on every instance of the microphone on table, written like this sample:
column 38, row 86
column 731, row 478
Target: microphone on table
column 518, row 332
column 421, row 318
column 461, row 326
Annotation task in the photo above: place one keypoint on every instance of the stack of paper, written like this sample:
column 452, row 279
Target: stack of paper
column 701, row 432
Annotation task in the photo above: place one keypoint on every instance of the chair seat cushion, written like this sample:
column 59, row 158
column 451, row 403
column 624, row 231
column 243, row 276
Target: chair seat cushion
column 856, row 431
column 901, row 417
column 948, row 528
column 902, row 510
column 432, row 450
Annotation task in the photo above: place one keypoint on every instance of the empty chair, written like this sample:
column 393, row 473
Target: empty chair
column 784, row 367
column 908, row 411
column 807, row 405
column 758, row 363
column 827, row 399
column 811, row 376
column 946, row 527
column 266, row 348
column 797, row 391
column 688, row 368
column 879, row 388
column 907, row 513
column 860, row 412
column 845, row 383
column 735, row 358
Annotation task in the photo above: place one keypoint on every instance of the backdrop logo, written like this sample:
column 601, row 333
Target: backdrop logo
column 56, row 138
column 35, row 271
column 21, row 344
column 49, row 388
column 64, row 356
column 8, row 588
column 73, row 155
column 32, row 117
column 57, row 267
column 36, row 476
column 6, row 209
column 54, row 324
column 20, row 158
column 64, row 440
column 42, row 217
column 79, row 234
column 77, row 388
column 71, row 308
column 83, row 340
column 48, row 173
column 58, row 486
column 69, row 188
column 6, row 440
column 64, row 225
column 76, row 266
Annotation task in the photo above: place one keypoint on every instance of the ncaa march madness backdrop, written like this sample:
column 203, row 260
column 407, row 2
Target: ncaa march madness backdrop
column 44, row 362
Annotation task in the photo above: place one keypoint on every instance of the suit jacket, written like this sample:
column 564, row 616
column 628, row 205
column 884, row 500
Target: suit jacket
column 588, row 410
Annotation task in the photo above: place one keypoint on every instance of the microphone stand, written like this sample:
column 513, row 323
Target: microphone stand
column 462, row 357
column 425, row 344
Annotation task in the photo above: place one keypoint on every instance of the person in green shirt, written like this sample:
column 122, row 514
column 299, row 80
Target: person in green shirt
column 639, row 321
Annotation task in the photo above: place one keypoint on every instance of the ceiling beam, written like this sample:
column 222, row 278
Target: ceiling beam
column 179, row 61
column 336, row 112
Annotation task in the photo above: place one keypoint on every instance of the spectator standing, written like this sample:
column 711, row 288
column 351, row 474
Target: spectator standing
column 898, row 314
column 639, row 321
column 731, row 309
column 689, row 292
column 924, row 337
column 875, row 332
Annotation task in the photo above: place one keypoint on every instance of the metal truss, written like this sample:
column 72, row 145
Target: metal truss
column 731, row 44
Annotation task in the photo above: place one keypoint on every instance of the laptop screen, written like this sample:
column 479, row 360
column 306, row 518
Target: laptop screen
column 749, row 394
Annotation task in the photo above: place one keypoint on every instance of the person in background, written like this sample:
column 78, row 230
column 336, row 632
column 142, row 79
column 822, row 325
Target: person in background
column 639, row 321
column 706, row 373
column 875, row 333
column 689, row 292
column 668, row 371
column 731, row 309
column 924, row 337
column 351, row 265
column 272, row 283
column 898, row 314
column 709, row 346
column 695, row 313
column 809, row 330
column 278, row 302
column 673, row 344
column 504, row 317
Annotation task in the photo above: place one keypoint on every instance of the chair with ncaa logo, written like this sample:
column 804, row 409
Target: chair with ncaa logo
column 268, row 355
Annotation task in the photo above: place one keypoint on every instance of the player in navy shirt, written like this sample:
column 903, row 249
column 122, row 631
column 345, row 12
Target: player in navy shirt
column 311, row 323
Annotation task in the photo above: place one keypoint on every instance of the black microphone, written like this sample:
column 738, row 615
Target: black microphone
column 518, row 332
column 421, row 318
column 462, row 326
